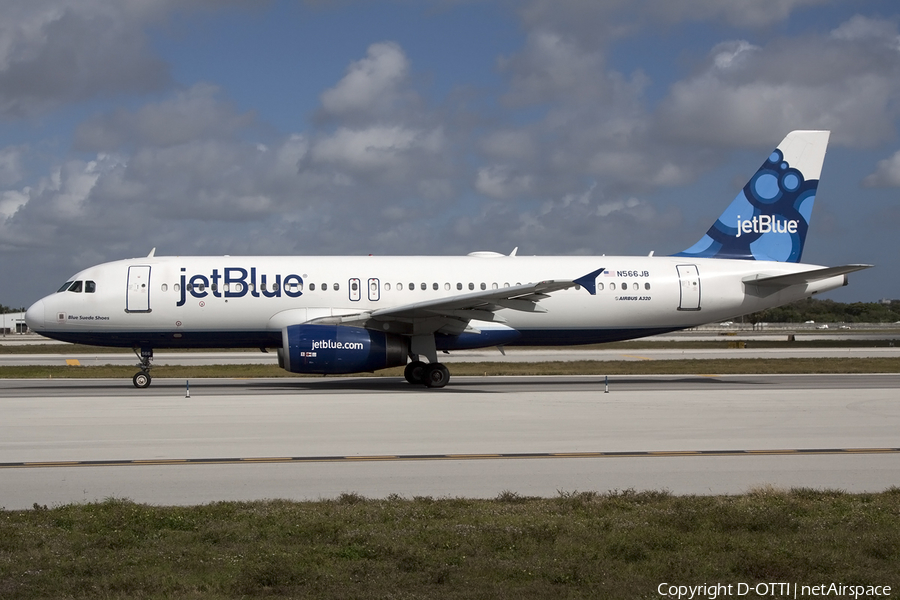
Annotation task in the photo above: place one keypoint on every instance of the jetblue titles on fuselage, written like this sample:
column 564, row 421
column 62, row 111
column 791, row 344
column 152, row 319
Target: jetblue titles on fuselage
column 236, row 282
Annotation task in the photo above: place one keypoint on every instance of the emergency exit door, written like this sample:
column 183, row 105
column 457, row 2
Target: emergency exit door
column 137, row 298
column 689, row 280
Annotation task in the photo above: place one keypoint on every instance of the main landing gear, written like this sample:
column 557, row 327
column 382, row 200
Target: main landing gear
column 142, row 378
column 433, row 375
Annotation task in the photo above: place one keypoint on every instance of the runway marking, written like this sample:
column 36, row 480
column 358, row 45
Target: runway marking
column 413, row 457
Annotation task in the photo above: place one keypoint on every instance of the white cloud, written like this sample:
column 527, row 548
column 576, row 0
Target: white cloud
column 502, row 182
column 384, row 150
column 886, row 175
column 863, row 28
column 11, row 168
column 11, row 201
column 552, row 67
column 848, row 83
column 53, row 51
column 195, row 113
column 509, row 144
column 372, row 85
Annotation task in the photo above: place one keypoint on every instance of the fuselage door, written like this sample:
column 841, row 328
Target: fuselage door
column 689, row 280
column 137, row 298
column 354, row 289
column 374, row 290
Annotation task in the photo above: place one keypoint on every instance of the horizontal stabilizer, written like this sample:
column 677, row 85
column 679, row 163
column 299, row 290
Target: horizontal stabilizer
column 779, row 281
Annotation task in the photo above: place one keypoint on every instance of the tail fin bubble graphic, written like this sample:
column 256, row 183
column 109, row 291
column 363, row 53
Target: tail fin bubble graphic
column 769, row 218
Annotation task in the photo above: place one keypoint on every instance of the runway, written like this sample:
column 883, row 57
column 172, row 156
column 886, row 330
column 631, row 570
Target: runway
column 67, row 441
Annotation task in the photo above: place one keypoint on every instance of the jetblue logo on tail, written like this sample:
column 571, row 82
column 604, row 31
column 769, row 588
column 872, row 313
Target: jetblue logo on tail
column 766, row 224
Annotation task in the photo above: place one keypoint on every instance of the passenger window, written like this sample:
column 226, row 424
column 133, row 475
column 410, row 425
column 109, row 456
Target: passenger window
column 354, row 286
column 471, row 286
column 76, row 287
column 64, row 287
column 312, row 287
column 324, row 287
column 177, row 287
column 201, row 287
column 646, row 286
column 635, row 286
column 424, row 287
column 189, row 287
column 337, row 287
column 447, row 286
column 387, row 287
column 434, row 286
column 164, row 287
column 600, row 286
column 412, row 287
column 214, row 287
column 612, row 286
column 90, row 287
column 494, row 286
column 483, row 286
column 459, row 286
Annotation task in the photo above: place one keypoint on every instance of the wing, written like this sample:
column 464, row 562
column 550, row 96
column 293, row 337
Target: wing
column 451, row 315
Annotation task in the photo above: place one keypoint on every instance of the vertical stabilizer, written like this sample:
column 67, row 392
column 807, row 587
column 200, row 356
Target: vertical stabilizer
column 769, row 218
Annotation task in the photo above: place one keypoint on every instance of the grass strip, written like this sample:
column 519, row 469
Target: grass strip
column 586, row 367
column 621, row 544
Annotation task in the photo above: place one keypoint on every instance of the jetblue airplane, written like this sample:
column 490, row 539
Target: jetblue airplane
column 354, row 314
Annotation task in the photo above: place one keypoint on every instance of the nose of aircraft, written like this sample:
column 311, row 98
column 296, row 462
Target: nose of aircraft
column 34, row 316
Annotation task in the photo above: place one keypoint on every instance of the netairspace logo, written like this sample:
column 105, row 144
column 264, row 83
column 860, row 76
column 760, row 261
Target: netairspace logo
column 766, row 224
column 774, row 590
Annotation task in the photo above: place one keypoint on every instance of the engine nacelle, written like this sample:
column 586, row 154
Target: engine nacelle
column 333, row 349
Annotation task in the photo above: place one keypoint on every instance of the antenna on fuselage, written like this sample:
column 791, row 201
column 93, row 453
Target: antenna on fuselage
column 152, row 253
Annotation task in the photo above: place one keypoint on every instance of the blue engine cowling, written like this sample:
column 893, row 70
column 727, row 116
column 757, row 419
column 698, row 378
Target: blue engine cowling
column 333, row 349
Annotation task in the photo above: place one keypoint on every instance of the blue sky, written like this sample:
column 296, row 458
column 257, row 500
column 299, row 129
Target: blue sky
column 433, row 127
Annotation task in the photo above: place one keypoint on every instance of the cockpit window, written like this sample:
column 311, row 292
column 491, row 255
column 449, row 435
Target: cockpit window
column 76, row 287
column 64, row 287
column 90, row 287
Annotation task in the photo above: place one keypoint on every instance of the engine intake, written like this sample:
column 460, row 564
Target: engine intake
column 337, row 349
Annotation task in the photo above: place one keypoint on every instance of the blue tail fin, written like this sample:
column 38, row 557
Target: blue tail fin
column 770, row 217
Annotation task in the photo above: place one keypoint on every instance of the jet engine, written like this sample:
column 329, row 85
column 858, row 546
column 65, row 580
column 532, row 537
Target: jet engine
column 335, row 349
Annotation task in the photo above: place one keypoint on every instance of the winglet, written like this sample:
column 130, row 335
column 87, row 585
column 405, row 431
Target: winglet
column 589, row 281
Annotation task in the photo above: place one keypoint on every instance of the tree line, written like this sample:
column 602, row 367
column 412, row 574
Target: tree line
column 7, row 309
column 828, row 311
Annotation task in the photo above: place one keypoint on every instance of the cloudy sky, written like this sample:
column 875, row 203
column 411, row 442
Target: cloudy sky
column 433, row 127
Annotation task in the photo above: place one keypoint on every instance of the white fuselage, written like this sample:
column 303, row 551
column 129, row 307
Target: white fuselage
column 231, row 301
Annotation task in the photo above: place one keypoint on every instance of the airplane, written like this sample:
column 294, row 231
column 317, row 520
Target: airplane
column 342, row 315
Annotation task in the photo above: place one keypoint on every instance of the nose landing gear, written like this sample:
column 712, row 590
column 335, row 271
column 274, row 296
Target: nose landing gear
column 142, row 379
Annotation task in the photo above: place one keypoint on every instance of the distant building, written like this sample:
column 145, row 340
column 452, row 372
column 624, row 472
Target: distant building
column 13, row 323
